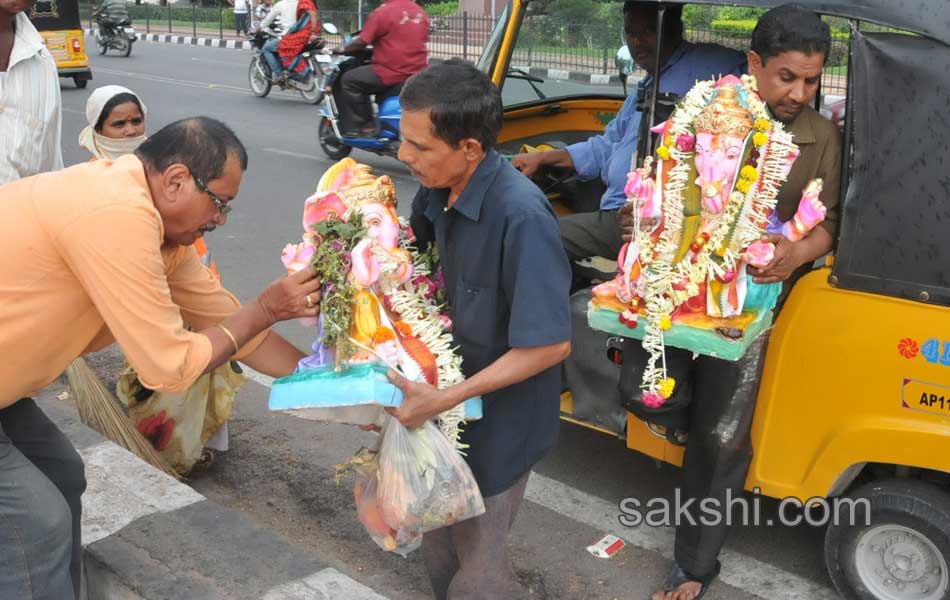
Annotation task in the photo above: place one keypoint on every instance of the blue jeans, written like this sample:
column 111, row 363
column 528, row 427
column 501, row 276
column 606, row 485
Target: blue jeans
column 270, row 55
column 42, row 478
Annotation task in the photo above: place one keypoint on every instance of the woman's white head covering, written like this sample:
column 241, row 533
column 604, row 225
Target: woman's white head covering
column 100, row 145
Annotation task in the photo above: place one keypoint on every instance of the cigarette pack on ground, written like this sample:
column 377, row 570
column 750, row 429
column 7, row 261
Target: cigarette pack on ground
column 607, row 546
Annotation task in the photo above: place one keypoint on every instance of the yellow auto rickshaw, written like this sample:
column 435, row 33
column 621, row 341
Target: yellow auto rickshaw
column 854, row 401
column 59, row 24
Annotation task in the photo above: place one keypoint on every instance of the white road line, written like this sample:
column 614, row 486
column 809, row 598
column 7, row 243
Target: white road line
column 121, row 488
column 328, row 583
column 738, row 570
column 182, row 82
column 294, row 154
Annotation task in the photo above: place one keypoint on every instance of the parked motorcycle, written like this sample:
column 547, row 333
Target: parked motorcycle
column 117, row 36
column 385, row 141
column 261, row 79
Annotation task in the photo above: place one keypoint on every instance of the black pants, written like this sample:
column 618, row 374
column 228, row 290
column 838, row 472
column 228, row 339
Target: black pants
column 358, row 85
column 42, row 478
column 585, row 235
column 719, row 450
column 240, row 23
column 717, row 409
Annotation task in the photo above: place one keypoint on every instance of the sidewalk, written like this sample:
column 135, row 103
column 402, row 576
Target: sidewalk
column 147, row 536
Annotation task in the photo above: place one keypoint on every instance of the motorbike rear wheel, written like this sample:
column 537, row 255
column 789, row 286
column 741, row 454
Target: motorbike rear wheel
column 331, row 145
column 101, row 44
column 124, row 45
column 258, row 77
column 314, row 94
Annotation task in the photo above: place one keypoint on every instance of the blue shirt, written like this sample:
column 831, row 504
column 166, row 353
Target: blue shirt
column 609, row 155
column 507, row 279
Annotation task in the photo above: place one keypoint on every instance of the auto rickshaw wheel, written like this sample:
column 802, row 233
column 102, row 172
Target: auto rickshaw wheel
column 902, row 554
column 80, row 83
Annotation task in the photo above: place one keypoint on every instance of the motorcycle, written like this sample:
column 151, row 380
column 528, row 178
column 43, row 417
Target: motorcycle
column 118, row 36
column 261, row 79
column 385, row 141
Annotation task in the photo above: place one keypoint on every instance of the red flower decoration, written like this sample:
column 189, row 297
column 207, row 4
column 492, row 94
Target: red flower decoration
column 908, row 348
column 157, row 429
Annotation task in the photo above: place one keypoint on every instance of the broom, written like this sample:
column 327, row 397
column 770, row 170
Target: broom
column 100, row 410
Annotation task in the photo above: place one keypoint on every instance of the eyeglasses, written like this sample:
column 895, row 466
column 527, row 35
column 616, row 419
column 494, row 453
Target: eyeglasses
column 222, row 206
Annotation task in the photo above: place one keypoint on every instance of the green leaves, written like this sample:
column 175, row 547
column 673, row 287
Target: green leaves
column 332, row 261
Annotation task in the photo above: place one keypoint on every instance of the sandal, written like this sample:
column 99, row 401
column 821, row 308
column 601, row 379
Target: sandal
column 678, row 576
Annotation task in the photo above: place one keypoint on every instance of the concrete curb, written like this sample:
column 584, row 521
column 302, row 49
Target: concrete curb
column 167, row 38
column 147, row 536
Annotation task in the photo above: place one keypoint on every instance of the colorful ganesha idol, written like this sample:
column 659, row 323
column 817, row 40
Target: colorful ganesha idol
column 700, row 211
column 378, row 315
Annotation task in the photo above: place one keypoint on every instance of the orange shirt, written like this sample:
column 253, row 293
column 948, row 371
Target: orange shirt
column 82, row 265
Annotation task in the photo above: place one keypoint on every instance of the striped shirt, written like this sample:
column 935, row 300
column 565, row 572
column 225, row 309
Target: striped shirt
column 30, row 117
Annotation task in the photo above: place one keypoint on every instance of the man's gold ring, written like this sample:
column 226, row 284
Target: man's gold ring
column 309, row 301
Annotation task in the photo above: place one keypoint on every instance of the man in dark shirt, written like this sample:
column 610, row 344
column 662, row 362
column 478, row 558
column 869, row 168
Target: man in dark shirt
column 507, row 279
column 398, row 31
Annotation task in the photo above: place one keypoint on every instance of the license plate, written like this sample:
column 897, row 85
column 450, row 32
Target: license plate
column 323, row 58
column 129, row 30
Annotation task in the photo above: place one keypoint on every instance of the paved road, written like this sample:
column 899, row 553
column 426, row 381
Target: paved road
column 279, row 469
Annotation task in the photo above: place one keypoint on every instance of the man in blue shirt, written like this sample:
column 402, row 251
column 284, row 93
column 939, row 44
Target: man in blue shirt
column 507, row 279
column 610, row 155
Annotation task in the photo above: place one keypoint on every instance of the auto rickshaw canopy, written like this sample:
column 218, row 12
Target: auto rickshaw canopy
column 929, row 18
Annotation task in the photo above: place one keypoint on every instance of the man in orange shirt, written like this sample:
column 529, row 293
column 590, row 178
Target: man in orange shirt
column 102, row 252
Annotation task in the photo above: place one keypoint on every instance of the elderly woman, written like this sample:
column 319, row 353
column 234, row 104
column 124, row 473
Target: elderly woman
column 116, row 118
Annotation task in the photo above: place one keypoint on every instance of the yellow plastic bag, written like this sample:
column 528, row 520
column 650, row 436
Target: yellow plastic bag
column 179, row 425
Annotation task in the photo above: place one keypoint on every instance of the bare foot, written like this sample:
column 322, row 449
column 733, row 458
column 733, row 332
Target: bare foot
column 686, row 591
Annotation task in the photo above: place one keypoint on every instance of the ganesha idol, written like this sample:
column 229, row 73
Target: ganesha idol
column 387, row 319
column 700, row 209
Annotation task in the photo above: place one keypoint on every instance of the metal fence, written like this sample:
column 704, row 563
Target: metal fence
column 544, row 41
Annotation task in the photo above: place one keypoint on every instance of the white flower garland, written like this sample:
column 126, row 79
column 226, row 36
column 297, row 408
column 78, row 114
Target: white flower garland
column 748, row 211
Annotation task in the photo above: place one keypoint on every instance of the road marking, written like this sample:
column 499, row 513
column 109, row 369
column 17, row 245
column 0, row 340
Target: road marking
column 325, row 584
column 182, row 82
column 120, row 488
column 294, row 154
column 231, row 89
column 220, row 62
column 738, row 570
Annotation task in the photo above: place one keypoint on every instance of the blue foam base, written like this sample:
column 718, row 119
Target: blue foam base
column 358, row 385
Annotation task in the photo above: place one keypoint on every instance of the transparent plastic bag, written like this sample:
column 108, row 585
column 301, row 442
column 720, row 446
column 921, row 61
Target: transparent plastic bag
column 421, row 483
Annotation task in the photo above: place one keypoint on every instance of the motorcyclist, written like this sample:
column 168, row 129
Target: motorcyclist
column 111, row 14
column 398, row 31
column 284, row 13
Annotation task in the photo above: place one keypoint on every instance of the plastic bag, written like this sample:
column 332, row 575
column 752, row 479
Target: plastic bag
column 420, row 483
column 180, row 425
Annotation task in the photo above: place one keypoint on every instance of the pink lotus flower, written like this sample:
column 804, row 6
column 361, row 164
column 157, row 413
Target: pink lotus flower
column 321, row 207
column 685, row 142
column 297, row 256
